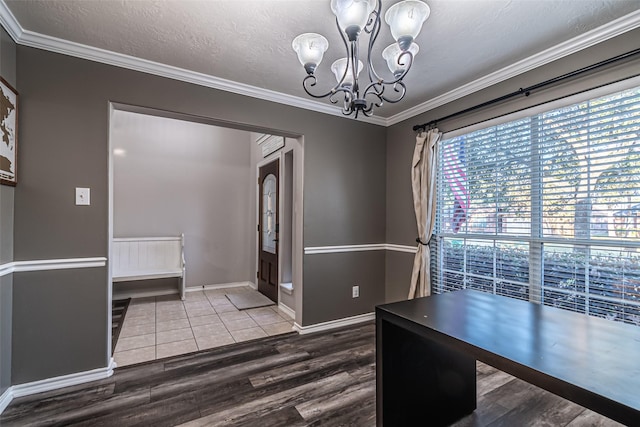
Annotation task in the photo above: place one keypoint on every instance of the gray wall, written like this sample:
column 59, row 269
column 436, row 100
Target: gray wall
column 401, row 227
column 8, row 72
column 64, row 117
column 329, row 278
column 60, row 319
column 349, row 200
column 191, row 178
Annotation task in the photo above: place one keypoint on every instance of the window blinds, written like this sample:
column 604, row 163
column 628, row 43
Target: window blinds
column 546, row 208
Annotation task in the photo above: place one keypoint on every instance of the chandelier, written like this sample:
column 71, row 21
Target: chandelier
column 352, row 16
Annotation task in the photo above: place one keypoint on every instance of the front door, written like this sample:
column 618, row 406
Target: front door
column 268, row 227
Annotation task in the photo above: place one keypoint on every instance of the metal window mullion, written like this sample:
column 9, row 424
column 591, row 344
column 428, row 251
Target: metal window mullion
column 464, row 266
column 495, row 267
column 438, row 226
column 536, row 247
column 440, row 269
column 587, row 260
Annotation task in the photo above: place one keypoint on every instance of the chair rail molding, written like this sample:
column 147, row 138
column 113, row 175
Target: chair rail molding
column 311, row 250
column 51, row 264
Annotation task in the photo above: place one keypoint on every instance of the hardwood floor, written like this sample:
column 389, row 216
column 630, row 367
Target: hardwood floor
column 325, row 378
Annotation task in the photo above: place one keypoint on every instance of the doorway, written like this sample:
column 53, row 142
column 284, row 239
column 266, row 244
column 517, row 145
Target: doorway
column 243, row 198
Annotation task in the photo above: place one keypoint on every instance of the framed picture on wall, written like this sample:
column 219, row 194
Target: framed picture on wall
column 8, row 133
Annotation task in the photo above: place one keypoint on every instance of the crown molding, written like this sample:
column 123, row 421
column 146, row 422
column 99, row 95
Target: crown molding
column 29, row 38
column 597, row 35
column 65, row 47
column 9, row 22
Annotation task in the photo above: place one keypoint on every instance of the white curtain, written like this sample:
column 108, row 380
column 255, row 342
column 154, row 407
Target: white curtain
column 424, row 170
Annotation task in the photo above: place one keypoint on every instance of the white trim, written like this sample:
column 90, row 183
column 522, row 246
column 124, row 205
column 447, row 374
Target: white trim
column 287, row 288
column 51, row 264
column 7, row 268
column 332, row 324
column 253, row 285
column 148, row 239
column 590, row 38
column 9, row 22
column 110, row 113
column 6, row 399
column 287, row 311
column 401, row 248
column 59, row 264
column 24, row 37
column 66, row 47
column 219, row 286
column 311, row 250
column 48, row 384
column 343, row 248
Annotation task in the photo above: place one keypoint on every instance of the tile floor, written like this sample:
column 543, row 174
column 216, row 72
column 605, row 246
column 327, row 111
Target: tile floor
column 157, row 327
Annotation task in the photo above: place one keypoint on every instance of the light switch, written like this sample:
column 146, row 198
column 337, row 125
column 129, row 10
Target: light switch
column 83, row 196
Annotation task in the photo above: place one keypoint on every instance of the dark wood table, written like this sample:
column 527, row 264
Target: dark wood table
column 426, row 352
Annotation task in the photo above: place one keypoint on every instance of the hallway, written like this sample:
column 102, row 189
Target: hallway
column 164, row 326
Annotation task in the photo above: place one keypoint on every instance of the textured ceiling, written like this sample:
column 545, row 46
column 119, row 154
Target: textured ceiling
column 249, row 41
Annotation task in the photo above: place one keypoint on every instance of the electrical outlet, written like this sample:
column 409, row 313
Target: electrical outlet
column 83, row 196
column 355, row 291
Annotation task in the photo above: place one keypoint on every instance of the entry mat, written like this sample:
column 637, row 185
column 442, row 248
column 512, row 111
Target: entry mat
column 246, row 300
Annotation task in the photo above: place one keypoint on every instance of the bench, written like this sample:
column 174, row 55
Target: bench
column 426, row 352
column 145, row 258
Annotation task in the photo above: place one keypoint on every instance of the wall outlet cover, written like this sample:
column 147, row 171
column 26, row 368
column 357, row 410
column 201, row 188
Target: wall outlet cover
column 83, row 196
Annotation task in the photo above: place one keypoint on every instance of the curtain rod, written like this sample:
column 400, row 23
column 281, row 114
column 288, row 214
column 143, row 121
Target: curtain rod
column 527, row 90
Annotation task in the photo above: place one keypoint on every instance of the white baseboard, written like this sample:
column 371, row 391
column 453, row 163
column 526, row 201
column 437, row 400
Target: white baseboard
column 253, row 285
column 48, row 384
column 287, row 288
column 338, row 323
column 219, row 286
column 6, row 399
column 287, row 310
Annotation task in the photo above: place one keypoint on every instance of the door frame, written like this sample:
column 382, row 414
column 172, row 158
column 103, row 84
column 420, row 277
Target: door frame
column 260, row 209
column 295, row 145
column 269, row 159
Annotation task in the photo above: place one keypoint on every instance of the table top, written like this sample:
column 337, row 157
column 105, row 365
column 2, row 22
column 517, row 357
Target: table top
column 596, row 355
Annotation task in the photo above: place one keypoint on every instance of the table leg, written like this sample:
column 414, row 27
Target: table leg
column 420, row 382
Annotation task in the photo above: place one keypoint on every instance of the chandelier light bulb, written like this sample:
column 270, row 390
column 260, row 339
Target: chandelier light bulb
column 397, row 65
column 357, row 19
column 352, row 15
column 338, row 68
column 406, row 19
column 310, row 48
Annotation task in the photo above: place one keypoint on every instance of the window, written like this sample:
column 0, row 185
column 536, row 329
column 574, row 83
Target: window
column 546, row 208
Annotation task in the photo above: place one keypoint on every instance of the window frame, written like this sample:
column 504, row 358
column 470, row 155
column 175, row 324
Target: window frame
column 536, row 240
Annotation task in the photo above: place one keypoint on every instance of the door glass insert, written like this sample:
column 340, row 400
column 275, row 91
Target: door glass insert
column 269, row 200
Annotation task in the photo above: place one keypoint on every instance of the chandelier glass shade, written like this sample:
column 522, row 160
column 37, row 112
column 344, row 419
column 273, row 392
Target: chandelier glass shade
column 353, row 18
